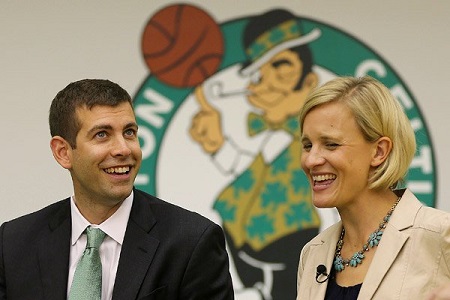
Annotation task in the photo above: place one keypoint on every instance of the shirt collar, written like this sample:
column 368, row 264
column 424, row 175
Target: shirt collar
column 115, row 226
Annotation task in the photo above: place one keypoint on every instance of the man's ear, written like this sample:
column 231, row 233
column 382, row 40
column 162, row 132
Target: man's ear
column 62, row 151
column 383, row 148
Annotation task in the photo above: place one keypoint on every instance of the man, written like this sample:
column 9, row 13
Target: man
column 152, row 249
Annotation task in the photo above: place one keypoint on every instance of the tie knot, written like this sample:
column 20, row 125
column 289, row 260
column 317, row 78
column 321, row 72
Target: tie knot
column 95, row 237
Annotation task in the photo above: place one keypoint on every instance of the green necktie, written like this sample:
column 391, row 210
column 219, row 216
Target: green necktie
column 87, row 280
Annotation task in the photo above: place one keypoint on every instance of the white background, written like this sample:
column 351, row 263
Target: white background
column 44, row 45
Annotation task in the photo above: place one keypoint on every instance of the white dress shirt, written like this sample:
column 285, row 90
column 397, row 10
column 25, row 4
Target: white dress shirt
column 114, row 227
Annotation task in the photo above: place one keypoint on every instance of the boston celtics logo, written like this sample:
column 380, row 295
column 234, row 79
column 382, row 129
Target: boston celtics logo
column 219, row 131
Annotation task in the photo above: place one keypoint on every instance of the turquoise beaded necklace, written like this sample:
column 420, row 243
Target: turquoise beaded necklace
column 357, row 258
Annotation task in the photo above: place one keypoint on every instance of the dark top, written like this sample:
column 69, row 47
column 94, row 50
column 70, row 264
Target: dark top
column 337, row 292
column 167, row 253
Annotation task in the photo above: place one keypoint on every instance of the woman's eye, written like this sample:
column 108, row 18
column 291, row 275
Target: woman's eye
column 332, row 145
column 307, row 147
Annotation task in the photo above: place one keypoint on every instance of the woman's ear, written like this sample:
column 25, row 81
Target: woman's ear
column 62, row 151
column 382, row 151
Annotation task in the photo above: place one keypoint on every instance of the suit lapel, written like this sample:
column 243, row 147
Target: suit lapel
column 391, row 243
column 137, row 252
column 53, row 254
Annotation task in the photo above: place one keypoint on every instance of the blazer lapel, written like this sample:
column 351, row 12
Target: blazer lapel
column 53, row 254
column 321, row 252
column 391, row 243
column 137, row 252
column 324, row 255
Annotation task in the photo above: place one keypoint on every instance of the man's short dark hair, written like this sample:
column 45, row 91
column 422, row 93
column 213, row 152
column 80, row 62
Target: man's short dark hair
column 83, row 93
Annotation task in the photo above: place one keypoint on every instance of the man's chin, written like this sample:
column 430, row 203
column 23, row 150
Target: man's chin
column 119, row 194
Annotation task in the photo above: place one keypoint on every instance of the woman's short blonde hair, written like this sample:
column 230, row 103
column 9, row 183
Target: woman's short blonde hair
column 378, row 114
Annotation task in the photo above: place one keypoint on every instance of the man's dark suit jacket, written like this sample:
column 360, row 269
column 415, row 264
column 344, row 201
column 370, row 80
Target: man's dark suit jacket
column 167, row 253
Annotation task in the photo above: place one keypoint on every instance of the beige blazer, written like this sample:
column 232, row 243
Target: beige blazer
column 412, row 259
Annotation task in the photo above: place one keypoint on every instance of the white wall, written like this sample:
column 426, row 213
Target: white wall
column 44, row 45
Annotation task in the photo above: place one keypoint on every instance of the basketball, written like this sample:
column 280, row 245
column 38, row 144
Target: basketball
column 182, row 45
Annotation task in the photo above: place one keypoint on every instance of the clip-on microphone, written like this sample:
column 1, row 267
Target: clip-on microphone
column 321, row 270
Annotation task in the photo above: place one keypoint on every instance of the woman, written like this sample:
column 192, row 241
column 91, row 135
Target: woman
column 357, row 146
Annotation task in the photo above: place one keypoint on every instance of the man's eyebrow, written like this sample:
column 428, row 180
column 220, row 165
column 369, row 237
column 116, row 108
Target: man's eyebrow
column 98, row 128
column 131, row 124
column 101, row 127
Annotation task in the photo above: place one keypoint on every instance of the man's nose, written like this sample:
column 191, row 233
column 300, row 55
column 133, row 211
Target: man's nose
column 121, row 147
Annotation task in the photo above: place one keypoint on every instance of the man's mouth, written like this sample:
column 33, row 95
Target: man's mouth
column 117, row 170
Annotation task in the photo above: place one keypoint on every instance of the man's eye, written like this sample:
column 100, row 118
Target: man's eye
column 130, row 132
column 100, row 134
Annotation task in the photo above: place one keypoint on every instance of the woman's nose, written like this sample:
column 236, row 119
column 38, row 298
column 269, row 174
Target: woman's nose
column 312, row 158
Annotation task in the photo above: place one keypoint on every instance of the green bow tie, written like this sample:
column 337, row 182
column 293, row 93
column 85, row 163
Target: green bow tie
column 256, row 124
